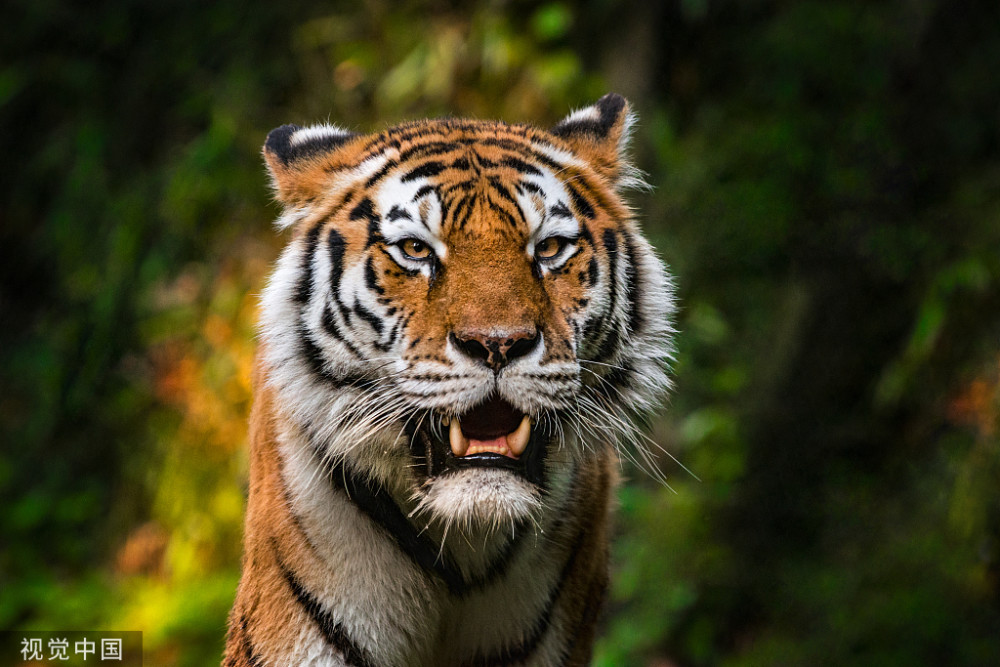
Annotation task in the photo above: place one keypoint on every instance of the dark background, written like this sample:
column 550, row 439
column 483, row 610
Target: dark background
column 827, row 192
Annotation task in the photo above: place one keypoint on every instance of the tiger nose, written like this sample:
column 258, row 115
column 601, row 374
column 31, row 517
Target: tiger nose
column 496, row 351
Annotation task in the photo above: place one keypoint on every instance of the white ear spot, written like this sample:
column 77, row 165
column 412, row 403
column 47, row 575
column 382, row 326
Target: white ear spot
column 587, row 113
column 320, row 133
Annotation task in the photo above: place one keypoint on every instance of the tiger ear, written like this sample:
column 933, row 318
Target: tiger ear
column 296, row 157
column 600, row 134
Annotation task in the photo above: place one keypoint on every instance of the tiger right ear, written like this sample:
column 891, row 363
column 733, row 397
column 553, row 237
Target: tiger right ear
column 295, row 156
column 599, row 134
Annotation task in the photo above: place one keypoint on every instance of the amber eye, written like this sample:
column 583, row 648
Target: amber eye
column 550, row 247
column 415, row 249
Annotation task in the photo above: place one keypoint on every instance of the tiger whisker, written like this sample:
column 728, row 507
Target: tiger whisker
column 635, row 432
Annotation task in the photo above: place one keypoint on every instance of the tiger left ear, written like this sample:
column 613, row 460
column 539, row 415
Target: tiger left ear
column 599, row 134
column 298, row 157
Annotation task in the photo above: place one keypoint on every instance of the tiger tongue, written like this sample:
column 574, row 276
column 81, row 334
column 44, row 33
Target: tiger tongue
column 494, row 446
column 511, row 445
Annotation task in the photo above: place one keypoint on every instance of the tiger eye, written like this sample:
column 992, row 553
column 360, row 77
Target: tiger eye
column 548, row 248
column 415, row 249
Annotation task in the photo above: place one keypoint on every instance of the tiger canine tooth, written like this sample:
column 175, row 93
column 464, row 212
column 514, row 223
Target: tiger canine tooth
column 459, row 443
column 518, row 440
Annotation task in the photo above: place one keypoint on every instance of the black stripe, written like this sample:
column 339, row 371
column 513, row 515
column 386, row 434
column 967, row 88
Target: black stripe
column 506, row 144
column 375, row 502
column 593, row 270
column 632, row 286
column 560, row 210
column 372, row 499
column 426, row 150
column 581, row 204
column 525, row 150
column 329, row 322
column 333, row 632
column 401, row 134
column 499, row 186
column 378, row 145
column 503, row 213
column 368, row 316
column 462, row 210
column 304, row 289
column 446, row 204
column 371, row 279
column 314, row 355
column 485, row 161
column 380, row 174
column 522, row 146
column 586, row 236
column 424, row 171
column 393, row 335
column 498, row 568
column 395, row 213
column 610, row 344
column 459, row 210
column 336, row 247
column 592, row 328
column 424, row 190
column 554, row 377
column 365, row 210
column 532, row 187
column 248, row 650
column 464, row 186
column 520, row 165
column 374, row 232
column 467, row 211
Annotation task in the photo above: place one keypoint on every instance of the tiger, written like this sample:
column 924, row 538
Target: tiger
column 456, row 347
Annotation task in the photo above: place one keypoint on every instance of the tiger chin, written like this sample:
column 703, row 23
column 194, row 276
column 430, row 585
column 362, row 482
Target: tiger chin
column 455, row 347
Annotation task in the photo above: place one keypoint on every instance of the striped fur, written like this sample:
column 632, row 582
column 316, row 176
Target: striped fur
column 438, row 271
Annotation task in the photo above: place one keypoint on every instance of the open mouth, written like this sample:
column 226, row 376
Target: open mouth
column 495, row 427
column 494, row 434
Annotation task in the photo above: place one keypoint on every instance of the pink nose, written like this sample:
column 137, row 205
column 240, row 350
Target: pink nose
column 496, row 351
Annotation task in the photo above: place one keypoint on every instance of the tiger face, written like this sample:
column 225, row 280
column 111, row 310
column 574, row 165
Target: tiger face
column 466, row 310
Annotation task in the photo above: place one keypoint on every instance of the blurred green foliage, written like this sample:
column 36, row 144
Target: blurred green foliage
column 827, row 190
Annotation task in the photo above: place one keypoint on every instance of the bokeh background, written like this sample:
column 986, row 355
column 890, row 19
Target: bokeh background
column 827, row 192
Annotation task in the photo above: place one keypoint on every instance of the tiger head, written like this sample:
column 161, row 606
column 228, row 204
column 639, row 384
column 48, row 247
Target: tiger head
column 466, row 309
